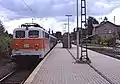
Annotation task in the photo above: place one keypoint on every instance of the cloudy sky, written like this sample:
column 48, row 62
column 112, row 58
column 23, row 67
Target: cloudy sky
column 51, row 13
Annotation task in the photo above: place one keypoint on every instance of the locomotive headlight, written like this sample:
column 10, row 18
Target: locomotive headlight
column 36, row 46
column 16, row 47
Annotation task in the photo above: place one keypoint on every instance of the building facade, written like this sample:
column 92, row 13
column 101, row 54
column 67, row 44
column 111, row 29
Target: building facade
column 106, row 30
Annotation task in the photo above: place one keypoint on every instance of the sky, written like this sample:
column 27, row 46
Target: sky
column 51, row 13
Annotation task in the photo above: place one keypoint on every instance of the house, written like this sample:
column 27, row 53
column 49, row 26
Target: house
column 106, row 29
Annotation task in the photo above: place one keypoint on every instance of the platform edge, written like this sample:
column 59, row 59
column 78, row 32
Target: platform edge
column 35, row 71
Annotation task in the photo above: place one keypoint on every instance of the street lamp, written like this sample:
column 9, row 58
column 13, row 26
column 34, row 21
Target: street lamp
column 32, row 20
column 68, row 31
column 64, row 29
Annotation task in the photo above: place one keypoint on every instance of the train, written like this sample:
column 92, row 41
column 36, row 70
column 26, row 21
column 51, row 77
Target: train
column 31, row 42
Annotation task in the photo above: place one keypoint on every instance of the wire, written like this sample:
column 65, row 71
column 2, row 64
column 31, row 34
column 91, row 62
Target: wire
column 27, row 6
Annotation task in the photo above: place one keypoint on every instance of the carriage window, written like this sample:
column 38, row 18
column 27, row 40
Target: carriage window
column 46, row 35
column 33, row 34
column 20, row 34
column 43, row 34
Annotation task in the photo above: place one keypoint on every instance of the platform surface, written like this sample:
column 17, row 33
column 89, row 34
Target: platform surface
column 108, row 66
column 59, row 68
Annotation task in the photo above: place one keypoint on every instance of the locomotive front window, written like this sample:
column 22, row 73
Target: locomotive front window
column 20, row 34
column 33, row 34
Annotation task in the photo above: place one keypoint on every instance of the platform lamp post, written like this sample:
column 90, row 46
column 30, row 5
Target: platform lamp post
column 65, row 24
column 32, row 20
column 77, row 31
column 68, row 31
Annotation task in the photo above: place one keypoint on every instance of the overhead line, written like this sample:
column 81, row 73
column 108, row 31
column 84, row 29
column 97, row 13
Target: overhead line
column 27, row 6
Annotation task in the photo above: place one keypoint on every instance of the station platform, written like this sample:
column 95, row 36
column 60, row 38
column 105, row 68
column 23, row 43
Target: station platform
column 58, row 67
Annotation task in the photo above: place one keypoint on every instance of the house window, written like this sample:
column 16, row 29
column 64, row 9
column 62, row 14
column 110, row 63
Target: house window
column 110, row 31
column 105, row 31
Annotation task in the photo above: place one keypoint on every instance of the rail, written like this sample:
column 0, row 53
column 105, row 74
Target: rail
column 6, row 76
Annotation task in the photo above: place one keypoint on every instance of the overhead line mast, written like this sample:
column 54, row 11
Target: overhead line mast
column 83, row 40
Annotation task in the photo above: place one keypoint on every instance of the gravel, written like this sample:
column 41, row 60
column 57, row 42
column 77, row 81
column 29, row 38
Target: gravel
column 7, row 68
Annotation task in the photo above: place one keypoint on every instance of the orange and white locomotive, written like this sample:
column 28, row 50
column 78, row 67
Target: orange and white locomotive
column 31, row 42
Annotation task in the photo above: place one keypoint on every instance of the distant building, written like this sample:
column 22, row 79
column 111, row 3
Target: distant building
column 65, row 40
column 106, row 29
column 58, row 35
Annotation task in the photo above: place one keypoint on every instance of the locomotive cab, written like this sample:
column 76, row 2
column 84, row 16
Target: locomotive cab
column 30, row 42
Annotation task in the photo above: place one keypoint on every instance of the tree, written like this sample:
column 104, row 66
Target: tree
column 49, row 31
column 58, row 35
column 74, row 30
column 90, row 22
column 74, row 34
column 105, row 19
column 52, row 32
column 6, row 33
column 2, row 29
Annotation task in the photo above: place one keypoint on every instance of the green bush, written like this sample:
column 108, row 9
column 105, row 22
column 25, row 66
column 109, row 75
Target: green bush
column 96, row 40
column 106, row 41
column 109, row 41
column 5, row 42
column 5, row 46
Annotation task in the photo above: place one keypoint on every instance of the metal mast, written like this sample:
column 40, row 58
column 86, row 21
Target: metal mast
column 68, row 31
column 83, row 40
column 77, row 33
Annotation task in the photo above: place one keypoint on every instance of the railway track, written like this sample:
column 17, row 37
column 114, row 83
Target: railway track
column 105, row 51
column 6, row 76
column 16, row 77
column 108, row 52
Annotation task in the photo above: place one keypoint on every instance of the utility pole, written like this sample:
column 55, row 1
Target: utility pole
column 32, row 20
column 68, row 31
column 64, row 29
column 49, row 31
column 114, row 19
column 77, row 32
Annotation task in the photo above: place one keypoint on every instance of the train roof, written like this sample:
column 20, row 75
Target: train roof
column 53, row 36
column 30, row 26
